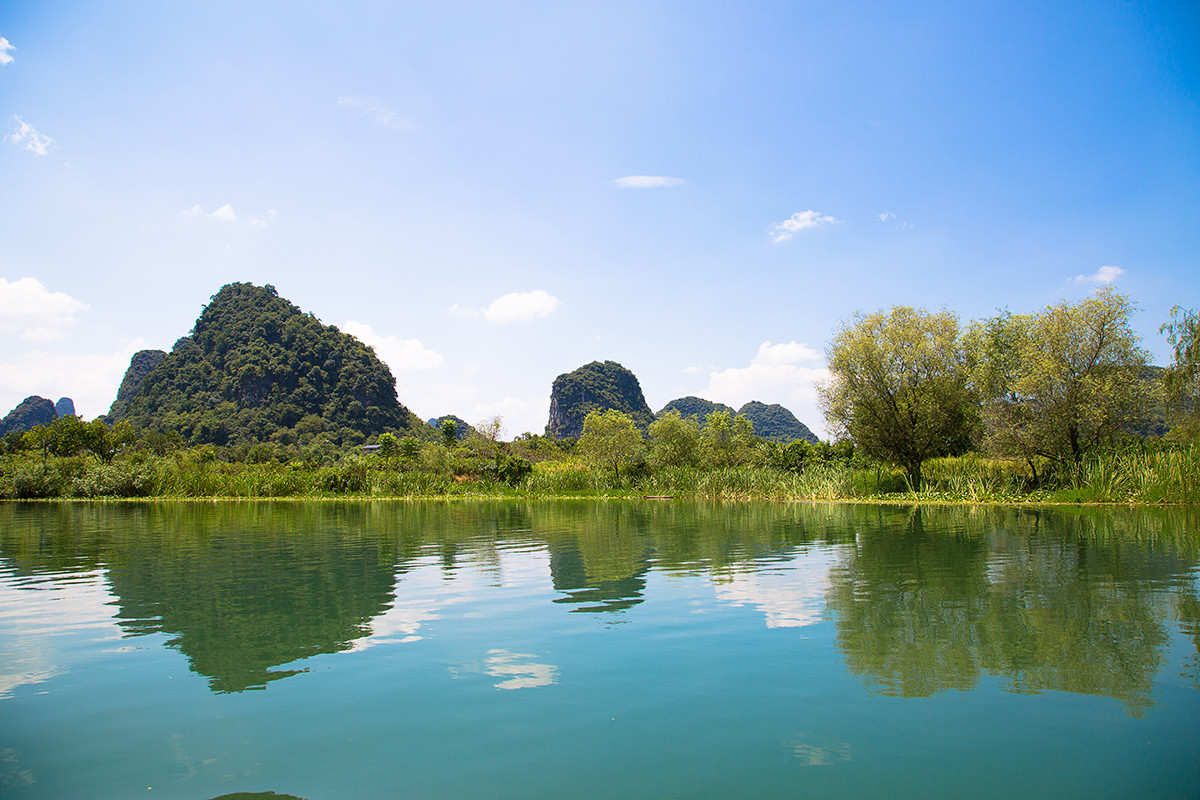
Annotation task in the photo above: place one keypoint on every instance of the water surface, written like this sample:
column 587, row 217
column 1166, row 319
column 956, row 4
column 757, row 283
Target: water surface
column 592, row 649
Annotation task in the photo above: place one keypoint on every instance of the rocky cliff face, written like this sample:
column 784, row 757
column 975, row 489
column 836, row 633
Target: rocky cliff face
column 65, row 407
column 141, row 365
column 31, row 412
column 594, row 387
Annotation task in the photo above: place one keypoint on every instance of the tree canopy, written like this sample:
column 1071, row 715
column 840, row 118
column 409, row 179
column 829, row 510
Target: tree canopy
column 1062, row 381
column 899, row 387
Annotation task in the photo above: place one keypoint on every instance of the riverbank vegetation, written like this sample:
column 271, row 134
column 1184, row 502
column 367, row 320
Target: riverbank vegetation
column 1057, row 406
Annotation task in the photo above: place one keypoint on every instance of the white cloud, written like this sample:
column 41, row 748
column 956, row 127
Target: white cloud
column 401, row 355
column 1102, row 276
column 513, row 307
column 38, row 315
column 262, row 221
column 800, row 221
column 646, row 182
column 377, row 112
column 5, row 46
column 90, row 379
column 521, row 307
column 778, row 373
column 886, row 215
column 28, row 137
column 225, row 213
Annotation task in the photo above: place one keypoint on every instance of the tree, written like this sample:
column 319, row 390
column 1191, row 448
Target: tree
column 1182, row 378
column 674, row 440
column 726, row 440
column 898, row 387
column 1072, row 379
column 449, row 431
column 388, row 445
column 610, row 440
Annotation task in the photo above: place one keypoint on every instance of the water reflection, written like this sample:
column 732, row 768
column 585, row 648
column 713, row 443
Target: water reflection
column 921, row 600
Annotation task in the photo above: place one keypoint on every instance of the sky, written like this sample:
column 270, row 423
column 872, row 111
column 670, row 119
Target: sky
column 491, row 194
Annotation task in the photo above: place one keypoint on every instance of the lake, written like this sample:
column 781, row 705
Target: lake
column 592, row 649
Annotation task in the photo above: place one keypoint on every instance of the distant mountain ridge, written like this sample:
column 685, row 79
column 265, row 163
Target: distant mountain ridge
column 597, row 386
column 692, row 407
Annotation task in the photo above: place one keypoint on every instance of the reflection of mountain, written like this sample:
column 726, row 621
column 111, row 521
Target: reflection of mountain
column 240, row 604
column 592, row 592
column 921, row 609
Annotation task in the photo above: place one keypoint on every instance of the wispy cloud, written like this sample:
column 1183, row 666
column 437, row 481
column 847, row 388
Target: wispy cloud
column 262, row 221
column 28, row 309
column 30, row 138
column 1101, row 277
column 800, row 221
column 401, row 355
column 888, row 216
column 646, row 182
column 376, row 111
column 5, row 46
column 224, row 213
column 513, row 307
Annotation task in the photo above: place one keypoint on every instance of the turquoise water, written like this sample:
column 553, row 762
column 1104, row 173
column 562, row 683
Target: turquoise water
column 589, row 649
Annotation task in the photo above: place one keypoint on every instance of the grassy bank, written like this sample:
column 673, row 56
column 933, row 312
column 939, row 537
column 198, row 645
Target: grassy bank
column 1169, row 476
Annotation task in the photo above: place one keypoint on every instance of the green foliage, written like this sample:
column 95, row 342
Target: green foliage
column 1182, row 378
column 388, row 446
column 610, row 440
column 255, row 367
column 899, row 387
column 726, row 440
column 1061, row 382
column 449, row 432
column 595, row 387
column 674, row 440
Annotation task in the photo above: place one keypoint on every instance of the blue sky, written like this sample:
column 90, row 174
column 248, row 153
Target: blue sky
column 492, row 194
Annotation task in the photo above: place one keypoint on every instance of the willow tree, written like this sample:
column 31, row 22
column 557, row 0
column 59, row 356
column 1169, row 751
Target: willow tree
column 1182, row 378
column 899, row 387
column 1072, row 379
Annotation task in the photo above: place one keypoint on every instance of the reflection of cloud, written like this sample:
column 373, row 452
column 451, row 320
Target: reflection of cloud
column 34, row 618
column 519, row 674
column 790, row 595
column 813, row 756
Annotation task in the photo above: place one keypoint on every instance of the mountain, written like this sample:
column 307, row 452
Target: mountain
column 65, row 407
column 695, row 407
column 257, row 368
column 595, row 386
column 31, row 412
column 141, row 365
column 463, row 429
column 776, row 423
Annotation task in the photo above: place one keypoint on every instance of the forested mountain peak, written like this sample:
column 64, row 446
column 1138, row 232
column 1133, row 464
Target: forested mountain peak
column 693, row 407
column 598, row 386
column 29, row 413
column 776, row 423
column 141, row 365
column 256, row 368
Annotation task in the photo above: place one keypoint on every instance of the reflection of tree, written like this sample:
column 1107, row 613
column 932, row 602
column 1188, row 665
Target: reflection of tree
column 907, row 605
column 602, row 566
column 920, row 609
